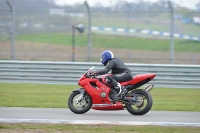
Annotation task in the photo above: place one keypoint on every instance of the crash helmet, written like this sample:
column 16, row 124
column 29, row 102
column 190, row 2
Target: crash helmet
column 106, row 56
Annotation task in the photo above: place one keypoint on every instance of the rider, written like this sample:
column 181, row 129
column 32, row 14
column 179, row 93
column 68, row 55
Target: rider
column 119, row 71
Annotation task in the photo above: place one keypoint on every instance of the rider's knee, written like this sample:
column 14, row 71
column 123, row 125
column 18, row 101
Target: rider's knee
column 108, row 79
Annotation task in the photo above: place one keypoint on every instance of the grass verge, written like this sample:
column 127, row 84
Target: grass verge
column 56, row 96
column 68, row 128
column 118, row 41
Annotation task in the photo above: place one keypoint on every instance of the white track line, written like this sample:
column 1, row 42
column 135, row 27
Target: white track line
column 95, row 122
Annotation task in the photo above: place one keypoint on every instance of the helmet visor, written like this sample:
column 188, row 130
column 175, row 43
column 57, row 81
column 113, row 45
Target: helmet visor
column 102, row 57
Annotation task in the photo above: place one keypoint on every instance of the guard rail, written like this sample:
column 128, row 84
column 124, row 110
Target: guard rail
column 45, row 72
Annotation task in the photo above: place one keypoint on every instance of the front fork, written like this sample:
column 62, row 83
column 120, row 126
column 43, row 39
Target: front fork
column 82, row 92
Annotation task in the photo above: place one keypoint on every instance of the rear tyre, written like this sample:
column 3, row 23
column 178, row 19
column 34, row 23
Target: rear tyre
column 142, row 105
column 79, row 106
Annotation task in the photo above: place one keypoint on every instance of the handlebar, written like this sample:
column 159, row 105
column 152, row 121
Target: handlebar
column 89, row 74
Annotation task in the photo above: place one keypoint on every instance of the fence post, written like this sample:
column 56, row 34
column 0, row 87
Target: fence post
column 13, row 56
column 89, row 32
column 129, row 55
column 171, row 33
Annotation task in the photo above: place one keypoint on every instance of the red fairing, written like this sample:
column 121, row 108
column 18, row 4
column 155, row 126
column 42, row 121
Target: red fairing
column 100, row 98
column 109, row 106
column 138, row 78
column 95, row 92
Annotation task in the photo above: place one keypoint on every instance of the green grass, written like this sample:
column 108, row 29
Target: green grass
column 56, row 96
column 102, row 41
column 122, row 23
column 176, row 99
column 68, row 128
column 34, row 95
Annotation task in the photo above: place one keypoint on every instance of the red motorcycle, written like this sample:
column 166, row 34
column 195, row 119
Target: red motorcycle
column 98, row 95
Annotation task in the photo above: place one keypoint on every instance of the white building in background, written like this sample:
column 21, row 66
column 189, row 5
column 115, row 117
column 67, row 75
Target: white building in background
column 196, row 20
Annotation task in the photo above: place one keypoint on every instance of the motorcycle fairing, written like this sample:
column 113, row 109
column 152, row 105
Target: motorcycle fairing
column 100, row 91
column 94, row 88
column 138, row 78
column 111, row 106
column 136, row 82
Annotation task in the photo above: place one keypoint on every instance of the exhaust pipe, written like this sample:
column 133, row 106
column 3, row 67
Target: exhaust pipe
column 149, row 87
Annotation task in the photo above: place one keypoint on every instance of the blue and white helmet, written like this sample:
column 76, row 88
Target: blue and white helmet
column 106, row 56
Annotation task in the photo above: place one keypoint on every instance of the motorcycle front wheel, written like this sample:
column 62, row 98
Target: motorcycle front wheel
column 142, row 104
column 77, row 105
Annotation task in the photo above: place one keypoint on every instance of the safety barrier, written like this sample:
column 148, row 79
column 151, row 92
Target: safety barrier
column 43, row 72
column 144, row 31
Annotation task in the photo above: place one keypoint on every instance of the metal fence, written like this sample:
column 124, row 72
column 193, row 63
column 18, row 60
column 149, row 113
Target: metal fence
column 175, row 76
column 40, row 30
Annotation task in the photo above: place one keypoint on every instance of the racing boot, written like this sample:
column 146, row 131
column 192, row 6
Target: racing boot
column 119, row 88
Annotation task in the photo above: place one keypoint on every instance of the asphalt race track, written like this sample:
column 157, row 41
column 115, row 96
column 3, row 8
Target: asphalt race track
column 58, row 115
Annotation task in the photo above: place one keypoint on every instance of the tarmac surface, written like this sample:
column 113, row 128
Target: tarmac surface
column 61, row 115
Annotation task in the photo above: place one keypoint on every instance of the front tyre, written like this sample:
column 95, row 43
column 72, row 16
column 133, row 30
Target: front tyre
column 77, row 105
column 142, row 104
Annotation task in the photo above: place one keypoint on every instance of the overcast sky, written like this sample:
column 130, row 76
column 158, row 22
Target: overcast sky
column 186, row 3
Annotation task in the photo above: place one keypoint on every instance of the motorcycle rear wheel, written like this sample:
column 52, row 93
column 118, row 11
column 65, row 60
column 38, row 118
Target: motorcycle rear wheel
column 79, row 106
column 143, row 105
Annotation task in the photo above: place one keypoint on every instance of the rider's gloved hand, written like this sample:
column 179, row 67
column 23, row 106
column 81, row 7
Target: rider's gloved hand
column 95, row 73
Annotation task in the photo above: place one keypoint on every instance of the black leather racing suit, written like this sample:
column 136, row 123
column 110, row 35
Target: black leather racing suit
column 120, row 72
